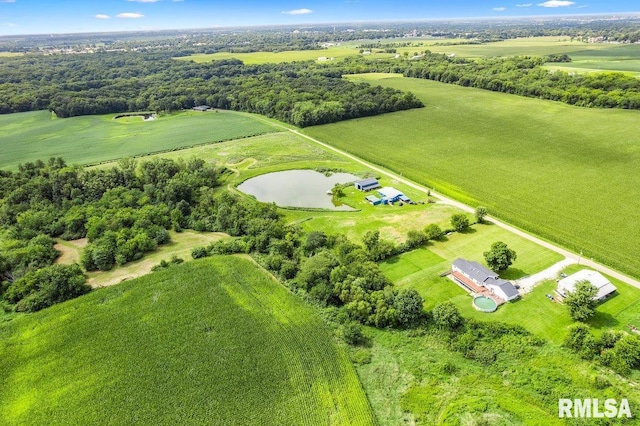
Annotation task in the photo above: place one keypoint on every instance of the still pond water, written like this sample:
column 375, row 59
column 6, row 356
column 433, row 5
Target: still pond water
column 296, row 188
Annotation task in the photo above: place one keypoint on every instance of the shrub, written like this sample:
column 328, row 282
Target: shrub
column 352, row 333
column 199, row 252
column 433, row 232
column 460, row 222
column 446, row 316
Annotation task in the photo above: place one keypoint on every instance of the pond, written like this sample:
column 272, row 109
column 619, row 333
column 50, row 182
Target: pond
column 297, row 188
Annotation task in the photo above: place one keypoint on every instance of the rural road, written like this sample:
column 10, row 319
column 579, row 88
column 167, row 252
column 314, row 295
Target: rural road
column 570, row 256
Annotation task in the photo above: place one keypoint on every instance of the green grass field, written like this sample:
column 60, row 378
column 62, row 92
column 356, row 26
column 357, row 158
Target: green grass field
column 92, row 139
column 252, row 58
column 562, row 172
column 216, row 341
column 620, row 58
column 421, row 269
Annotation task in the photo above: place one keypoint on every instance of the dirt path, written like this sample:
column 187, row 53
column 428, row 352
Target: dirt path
column 570, row 256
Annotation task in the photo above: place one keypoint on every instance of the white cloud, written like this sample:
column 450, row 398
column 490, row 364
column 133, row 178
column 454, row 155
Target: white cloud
column 499, row 9
column 100, row 16
column 178, row 1
column 557, row 3
column 298, row 12
column 130, row 15
column 524, row 5
column 7, row 1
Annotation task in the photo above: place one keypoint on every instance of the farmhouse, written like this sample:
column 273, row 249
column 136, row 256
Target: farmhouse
column 391, row 195
column 476, row 277
column 604, row 286
column 367, row 184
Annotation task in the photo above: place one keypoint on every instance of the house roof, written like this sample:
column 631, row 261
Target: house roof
column 372, row 198
column 480, row 274
column 509, row 290
column 474, row 270
column 389, row 192
column 603, row 285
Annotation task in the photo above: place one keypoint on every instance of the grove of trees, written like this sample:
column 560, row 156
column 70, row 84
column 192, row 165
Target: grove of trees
column 300, row 93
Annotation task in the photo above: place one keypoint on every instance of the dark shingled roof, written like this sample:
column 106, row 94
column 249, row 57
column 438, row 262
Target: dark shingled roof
column 481, row 274
column 474, row 270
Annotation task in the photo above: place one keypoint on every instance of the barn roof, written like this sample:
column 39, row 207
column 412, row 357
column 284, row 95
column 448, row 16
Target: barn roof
column 604, row 286
column 389, row 192
column 367, row 182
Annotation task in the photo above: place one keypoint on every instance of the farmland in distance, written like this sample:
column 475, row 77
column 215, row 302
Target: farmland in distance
column 214, row 341
column 559, row 171
column 92, row 139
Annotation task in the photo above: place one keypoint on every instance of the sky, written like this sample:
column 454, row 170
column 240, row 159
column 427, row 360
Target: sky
column 72, row 16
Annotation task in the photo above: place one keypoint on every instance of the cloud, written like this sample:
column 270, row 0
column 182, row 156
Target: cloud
column 145, row 1
column 524, row 5
column 130, row 15
column 7, row 1
column 100, row 16
column 557, row 3
column 298, row 12
column 499, row 9
column 178, row 1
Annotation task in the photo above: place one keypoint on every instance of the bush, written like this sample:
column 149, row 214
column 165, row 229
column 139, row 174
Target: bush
column 433, row 232
column 199, row 252
column 447, row 316
column 352, row 333
column 460, row 222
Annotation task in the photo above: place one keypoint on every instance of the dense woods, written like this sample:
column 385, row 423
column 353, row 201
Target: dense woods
column 298, row 93
column 124, row 212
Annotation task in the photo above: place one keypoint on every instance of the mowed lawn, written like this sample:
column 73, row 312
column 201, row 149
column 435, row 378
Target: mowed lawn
column 92, row 139
column 422, row 269
column 562, row 172
column 214, row 341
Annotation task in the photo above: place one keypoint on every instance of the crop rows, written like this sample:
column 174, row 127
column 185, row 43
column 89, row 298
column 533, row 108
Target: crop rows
column 562, row 172
column 208, row 342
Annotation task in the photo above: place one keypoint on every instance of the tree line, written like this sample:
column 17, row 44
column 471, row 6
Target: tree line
column 298, row 93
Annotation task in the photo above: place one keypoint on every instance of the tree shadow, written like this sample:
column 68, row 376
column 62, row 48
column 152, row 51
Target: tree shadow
column 513, row 274
column 469, row 230
column 603, row 320
column 392, row 260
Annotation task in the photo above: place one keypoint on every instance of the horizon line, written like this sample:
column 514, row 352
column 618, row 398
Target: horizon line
column 329, row 23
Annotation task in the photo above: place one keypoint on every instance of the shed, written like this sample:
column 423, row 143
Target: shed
column 202, row 108
column 367, row 184
column 373, row 200
column 604, row 286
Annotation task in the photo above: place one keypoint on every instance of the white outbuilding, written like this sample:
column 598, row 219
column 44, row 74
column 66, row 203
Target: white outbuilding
column 604, row 286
